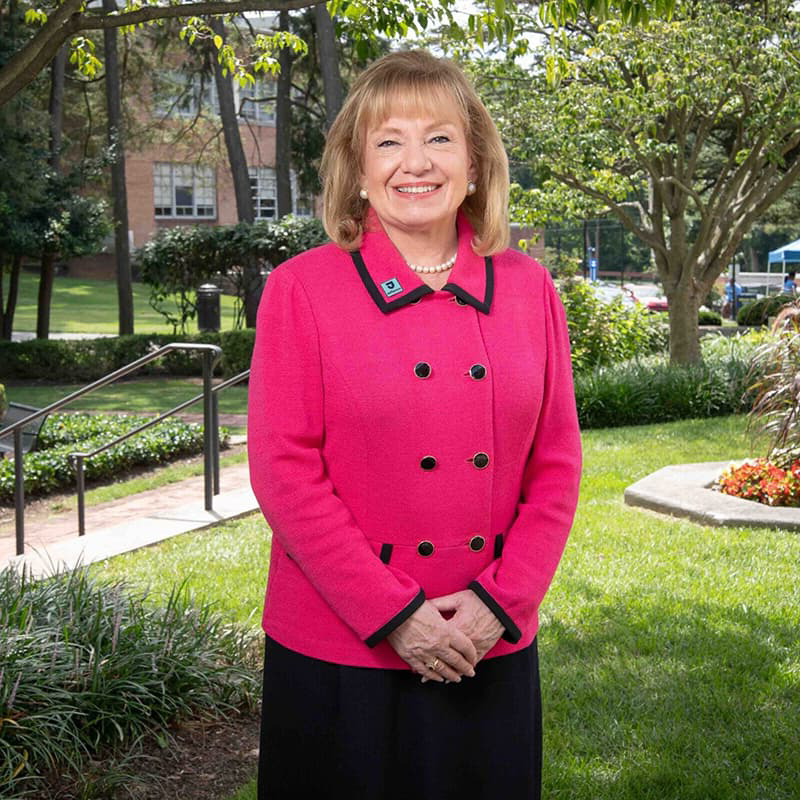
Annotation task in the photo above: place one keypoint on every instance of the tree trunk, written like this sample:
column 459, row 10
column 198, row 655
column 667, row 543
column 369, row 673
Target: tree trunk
column 230, row 129
column 328, row 63
column 11, row 301
column 283, row 127
column 56, row 111
column 116, row 141
column 47, row 274
column 245, row 209
column 684, row 334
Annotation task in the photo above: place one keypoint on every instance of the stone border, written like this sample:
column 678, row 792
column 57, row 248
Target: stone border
column 683, row 490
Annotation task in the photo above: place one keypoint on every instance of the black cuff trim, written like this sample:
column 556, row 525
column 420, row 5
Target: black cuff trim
column 513, row 634
column 386, row 552
column 396, row 620
column 498, row 545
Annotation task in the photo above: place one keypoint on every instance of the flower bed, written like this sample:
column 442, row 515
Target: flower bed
column 762, row 481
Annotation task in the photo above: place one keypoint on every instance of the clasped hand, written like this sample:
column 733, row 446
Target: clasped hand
column 442, row 649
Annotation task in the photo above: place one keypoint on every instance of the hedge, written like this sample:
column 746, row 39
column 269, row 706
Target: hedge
column 709, row 318
column 639, row 393
column 49, row 469
column 67, row 361
column 758, row 312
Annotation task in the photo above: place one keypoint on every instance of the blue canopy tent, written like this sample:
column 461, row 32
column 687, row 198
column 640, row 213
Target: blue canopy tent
column 788, row 254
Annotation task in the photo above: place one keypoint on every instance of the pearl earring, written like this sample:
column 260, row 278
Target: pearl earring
column 363, row 194
column 471, row 188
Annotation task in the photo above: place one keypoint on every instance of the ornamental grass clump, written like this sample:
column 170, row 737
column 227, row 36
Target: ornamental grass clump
column 775, row 374
column 89, row 670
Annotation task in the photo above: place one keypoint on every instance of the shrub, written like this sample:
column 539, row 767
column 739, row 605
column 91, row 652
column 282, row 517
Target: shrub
column 89, row 668
column 3, row 401
column 178, row 260
column 709, row 318
column 638, row 393
column 607, row 333
column 90, row 359
column 758, row 312
column 741, row 347
column 50, row 469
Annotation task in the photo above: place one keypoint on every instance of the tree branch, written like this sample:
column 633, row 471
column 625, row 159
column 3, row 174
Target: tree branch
column 66, row 21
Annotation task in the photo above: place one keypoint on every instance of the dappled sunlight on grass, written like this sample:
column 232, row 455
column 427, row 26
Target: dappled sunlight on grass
column 669, row 651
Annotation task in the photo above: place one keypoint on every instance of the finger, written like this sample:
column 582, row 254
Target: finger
column 448, row 673
column 462, row 644
column 459, row 664
column 447, row 602
column 433, row 674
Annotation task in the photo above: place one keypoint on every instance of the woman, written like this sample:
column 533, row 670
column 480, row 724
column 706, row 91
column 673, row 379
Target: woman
column 414, row 446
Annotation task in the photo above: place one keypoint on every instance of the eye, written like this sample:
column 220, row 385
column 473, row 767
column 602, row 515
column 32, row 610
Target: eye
column 386, row 142
column 440, row 139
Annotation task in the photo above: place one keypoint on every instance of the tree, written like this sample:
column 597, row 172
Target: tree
column 65, row 20
column 56, row 115
column 119, row 192
column 283, row 127
column 687, row 131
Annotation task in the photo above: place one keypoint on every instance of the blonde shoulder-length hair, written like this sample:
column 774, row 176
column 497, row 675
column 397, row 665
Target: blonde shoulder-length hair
column 413, row 81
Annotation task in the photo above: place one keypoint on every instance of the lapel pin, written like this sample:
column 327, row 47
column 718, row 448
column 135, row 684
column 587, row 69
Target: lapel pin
column 391, row 287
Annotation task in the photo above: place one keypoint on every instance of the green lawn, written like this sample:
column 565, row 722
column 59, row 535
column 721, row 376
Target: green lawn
column 90, row 306
column 137, row 395
column 670, row 651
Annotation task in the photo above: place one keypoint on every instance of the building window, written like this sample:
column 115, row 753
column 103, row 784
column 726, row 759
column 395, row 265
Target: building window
column 184, row 94
column 257, row 101
column 184, row 190
column 264, row 191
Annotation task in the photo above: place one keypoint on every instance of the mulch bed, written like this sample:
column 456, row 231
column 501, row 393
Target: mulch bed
column 206, row 761
column 202, row 760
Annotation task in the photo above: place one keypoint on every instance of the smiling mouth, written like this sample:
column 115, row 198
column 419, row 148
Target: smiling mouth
column 417, row 189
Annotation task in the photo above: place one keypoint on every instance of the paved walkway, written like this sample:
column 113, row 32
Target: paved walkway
column 136, row 521
column 26, row 336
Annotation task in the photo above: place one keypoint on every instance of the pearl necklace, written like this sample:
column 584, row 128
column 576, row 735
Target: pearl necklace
column 438, row 268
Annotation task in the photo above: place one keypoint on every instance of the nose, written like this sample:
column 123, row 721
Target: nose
column 415, row 158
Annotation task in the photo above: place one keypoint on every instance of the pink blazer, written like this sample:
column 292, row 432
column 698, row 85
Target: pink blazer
column 407, row 443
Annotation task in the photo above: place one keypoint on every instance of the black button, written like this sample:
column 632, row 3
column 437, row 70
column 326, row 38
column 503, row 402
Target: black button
column 414, row 302
column 477, row 543
column 425, row 548
column 477, row 372
column 460, row 301
column 480, row 460
column 429, row 462
column 422, row 369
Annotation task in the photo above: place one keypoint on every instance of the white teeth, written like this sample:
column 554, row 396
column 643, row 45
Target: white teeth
column 416, row 189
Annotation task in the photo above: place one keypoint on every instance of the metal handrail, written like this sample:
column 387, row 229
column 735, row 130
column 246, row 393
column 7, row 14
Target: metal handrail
column 79, row 458
column 211, row 354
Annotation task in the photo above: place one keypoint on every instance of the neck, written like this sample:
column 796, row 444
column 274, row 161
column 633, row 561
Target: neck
column 427, row 247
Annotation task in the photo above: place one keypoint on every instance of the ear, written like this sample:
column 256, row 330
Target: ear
column 472, row 172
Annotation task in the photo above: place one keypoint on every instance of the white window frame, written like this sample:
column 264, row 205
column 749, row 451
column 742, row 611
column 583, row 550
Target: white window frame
column 170, row 177
column 263, row 178
column 258, row 113
column 198, row 96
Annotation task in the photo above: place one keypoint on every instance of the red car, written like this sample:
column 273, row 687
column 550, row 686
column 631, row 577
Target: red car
column 648, row 295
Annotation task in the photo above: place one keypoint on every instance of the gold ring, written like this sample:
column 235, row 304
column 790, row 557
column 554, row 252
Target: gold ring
column 434, row 665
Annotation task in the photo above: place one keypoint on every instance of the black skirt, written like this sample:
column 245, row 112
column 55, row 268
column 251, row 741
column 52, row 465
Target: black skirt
column 371, row 734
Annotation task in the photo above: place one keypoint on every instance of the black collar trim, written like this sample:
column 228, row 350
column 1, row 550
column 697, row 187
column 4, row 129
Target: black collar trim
column 387, row 306
column 486, row 304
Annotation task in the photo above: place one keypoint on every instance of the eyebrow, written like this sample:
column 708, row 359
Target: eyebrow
column 438, row 124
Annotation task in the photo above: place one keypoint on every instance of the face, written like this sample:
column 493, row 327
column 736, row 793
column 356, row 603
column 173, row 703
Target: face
column 416, row 170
